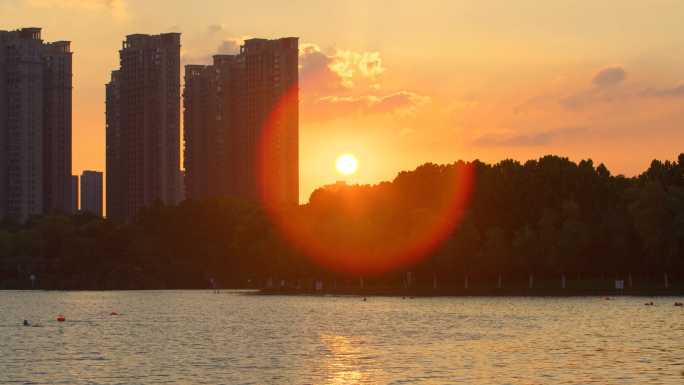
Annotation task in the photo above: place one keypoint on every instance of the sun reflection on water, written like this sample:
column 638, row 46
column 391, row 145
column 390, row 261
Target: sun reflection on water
column 342, row 359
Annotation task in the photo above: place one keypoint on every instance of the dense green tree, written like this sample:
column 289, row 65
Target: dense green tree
column 546, row 215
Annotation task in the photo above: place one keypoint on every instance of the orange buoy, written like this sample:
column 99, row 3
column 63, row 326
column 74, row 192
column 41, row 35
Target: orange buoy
column 411, row 297
column 678, row 304
column 113, row 313
column 646, row 304
column 61, row 318
column 607, row 298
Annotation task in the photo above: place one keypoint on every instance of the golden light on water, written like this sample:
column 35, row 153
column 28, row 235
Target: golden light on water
column 343, row 358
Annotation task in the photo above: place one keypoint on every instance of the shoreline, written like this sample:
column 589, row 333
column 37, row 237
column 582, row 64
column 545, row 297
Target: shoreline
column 462, row 294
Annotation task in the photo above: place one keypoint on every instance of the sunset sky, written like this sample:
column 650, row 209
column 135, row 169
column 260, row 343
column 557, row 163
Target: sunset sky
column 398, row 83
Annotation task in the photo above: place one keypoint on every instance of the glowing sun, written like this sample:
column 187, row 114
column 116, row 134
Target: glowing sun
column 346, row 164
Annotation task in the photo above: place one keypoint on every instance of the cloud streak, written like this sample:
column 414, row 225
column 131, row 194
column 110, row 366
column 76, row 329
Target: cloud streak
column 676, row 92
column 526, row 140
column 400, row 104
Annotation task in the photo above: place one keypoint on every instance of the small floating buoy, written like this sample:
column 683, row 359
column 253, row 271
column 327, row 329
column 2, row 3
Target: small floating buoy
column 646, row 304
column 61, row 318
column 607, row 298
column 678, row 304
column 113, row 313
column 411, row 297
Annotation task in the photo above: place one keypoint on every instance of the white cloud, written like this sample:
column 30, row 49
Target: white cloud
column 349, row 67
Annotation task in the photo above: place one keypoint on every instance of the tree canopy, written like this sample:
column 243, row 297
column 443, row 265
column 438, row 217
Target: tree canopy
column 550, row 215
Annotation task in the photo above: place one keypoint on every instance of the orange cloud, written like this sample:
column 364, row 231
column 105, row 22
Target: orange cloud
column 212, row 29
column 609, row 76
column 230, row 46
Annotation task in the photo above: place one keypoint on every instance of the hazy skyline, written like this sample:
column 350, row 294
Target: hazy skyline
column 401, row 83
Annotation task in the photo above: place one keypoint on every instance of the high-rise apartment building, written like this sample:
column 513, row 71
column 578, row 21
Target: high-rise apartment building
column 241, row 124
column 143, row 125
column 35, row 124
column 91, row 192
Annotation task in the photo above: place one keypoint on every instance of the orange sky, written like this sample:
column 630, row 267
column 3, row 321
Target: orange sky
column 398, row 83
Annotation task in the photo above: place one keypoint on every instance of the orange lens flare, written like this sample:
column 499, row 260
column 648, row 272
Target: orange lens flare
column 362, row 230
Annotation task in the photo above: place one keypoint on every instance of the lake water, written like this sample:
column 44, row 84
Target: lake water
column 197, row 337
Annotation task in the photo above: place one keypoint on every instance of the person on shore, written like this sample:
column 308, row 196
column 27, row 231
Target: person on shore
column 26, row 323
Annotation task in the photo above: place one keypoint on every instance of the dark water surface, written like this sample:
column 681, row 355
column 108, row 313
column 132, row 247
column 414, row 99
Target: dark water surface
column 197, row 337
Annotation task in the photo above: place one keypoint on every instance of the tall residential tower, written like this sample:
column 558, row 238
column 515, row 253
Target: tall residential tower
column 143, row 125
column 35, row 124
column 241, row 124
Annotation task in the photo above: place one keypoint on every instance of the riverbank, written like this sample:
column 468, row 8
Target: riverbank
column 540, row 288
column 545, row 288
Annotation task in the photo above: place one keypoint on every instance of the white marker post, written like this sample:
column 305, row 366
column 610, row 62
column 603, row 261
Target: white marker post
column 619, row 285
column 33, row 278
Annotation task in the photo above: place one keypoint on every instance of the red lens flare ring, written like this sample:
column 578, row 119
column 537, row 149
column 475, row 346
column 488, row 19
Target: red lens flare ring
column 351, row 244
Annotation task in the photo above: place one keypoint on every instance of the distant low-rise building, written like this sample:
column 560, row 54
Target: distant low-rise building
column 91, row 192
column 335, row 187
column 74, row 194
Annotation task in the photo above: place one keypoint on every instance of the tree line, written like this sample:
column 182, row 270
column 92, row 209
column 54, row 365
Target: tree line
column 549, row 217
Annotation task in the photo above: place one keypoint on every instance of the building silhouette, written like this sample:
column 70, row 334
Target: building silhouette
column 143, row 125
column 74, row 194
column 241, row 124
column 91, row 192
column 35, row 124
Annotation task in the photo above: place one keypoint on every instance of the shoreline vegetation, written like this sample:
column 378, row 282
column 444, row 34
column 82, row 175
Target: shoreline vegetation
column 550, row 218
